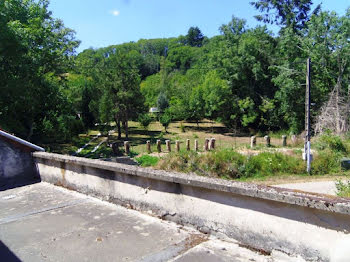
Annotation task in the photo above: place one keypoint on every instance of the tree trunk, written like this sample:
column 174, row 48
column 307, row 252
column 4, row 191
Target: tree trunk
column 126, row 129
column 119, row 129
column 30, row 133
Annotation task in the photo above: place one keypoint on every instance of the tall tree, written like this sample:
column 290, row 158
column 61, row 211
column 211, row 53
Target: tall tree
column 194, row 37
column 35, row 50
column 287, row 13
column 122, row 99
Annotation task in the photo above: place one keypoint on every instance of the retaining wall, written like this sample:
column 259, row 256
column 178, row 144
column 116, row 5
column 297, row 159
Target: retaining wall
column 261, row 217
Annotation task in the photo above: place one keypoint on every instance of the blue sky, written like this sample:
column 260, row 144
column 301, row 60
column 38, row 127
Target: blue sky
column 99, row 23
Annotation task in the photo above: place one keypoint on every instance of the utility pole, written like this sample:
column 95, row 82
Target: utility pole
column 307, row 147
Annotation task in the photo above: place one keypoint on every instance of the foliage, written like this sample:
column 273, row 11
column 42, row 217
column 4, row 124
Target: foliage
column 290, row 13
column 165, row 120
column 229, row 164
column 332, row 142
column 35, row 50
column 121, row 100
column 144, row 120
column 331, row 149
column 147, row 160
column 194, row 37
column 162, row 102
column 246, row 78
column 343, row 188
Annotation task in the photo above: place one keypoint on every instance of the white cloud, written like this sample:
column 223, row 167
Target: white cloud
column 115, row 12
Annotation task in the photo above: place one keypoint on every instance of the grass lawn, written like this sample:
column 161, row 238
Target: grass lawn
column 225, row 138
column 215, row 166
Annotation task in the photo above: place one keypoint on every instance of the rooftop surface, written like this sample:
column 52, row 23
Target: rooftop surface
column 42, row 222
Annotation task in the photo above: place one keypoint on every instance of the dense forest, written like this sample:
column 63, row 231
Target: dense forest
column 246, row 78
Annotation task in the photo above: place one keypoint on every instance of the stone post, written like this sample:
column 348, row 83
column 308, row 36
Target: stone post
column 212, row 144
column 115, row 148
column 268, row 141
column 127, row 147
column 168, row 145
column 196, row 145
column 148, row 146
column 177, row 144
column 188, row 145
column 159, row 146
column 253, row 141
column 284, row 140
column 206, row 144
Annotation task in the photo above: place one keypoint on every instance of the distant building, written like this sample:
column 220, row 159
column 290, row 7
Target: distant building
column 154, row 110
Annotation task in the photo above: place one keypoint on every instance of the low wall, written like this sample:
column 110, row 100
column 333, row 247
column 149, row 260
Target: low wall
column 16, row 164
column 261, row 217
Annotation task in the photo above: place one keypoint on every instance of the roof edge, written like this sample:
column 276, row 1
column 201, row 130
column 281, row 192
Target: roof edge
column 21, row 141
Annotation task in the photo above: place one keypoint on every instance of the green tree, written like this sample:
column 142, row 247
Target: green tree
column 194, row 37
column 165, row 120
column 35, row 50
column 288, row 13
column 122, row 99
column 162, row 102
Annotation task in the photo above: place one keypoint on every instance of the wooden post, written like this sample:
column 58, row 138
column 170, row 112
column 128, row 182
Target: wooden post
column 177, row 143
column 188, row 145
column 148, row 146
column 212, row 144
column 159, row 147
column 168, row 145
column 284, row 140
column 127, row 147
column 206, row 144
column 253, row 141
column 268, row 141
column 196, row 145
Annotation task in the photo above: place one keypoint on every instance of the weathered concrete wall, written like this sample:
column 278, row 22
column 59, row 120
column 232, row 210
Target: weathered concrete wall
column 15, row 164
column 261, row 217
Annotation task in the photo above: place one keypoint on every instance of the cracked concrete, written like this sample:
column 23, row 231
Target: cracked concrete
column 42, row 222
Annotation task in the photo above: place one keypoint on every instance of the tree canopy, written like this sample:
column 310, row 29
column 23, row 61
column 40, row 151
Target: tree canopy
column 246, row 78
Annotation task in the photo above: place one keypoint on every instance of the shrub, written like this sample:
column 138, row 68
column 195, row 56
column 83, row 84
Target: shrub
column 332, row 142
column 325, row 162
column 229, row 164
column 343, row 188
column 147, row 160
column 144, row 120
column 165, row 120
column 266, row 164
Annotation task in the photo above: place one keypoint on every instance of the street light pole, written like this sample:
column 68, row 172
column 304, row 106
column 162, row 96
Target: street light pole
column 307, row 147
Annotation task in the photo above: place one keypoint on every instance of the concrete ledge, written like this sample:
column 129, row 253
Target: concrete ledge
column 262, row 217
column 323, row 202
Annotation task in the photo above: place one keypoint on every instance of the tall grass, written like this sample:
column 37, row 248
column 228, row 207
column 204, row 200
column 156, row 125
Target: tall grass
column 229, row 164
column 330, row 150
column 343, row 188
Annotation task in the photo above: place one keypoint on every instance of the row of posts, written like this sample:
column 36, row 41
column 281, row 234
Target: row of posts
column 209, row 144
column 268, row 140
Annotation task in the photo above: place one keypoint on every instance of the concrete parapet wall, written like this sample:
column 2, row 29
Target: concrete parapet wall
column 261, row 217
